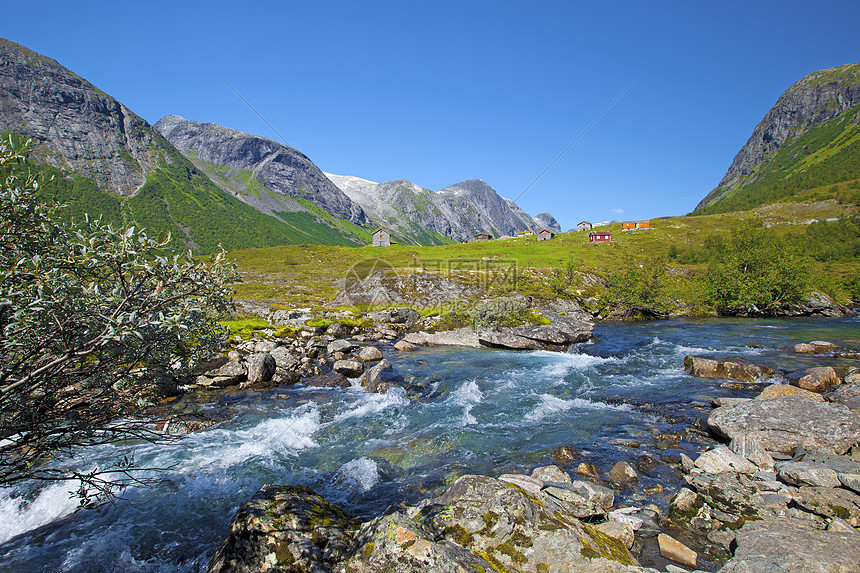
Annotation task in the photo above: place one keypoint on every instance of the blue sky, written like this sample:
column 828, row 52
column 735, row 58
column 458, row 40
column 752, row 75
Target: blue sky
column 439, row 92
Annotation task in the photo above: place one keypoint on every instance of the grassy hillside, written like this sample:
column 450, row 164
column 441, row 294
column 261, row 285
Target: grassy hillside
column 179, row 199
column 567, row 266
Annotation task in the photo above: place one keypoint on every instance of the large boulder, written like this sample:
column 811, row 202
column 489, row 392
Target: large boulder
column 261, row 367
column 285, row 528
column 779, row 390
column 783, row 424
column 349, row 368
column 368, row 354
column 459, row 337
column 819, row 379
column 793, row 545
column 375, row 380
column 737, row 369
column 484, row 524
column 814, row 347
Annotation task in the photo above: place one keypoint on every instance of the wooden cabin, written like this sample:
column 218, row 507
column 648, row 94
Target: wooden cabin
column 545, row 235
column 630, row 225
column 599, row 237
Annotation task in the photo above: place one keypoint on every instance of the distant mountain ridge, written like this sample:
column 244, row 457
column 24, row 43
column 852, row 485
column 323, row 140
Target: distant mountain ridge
column 285, row 174
column 457, row 211
column 809, row 138
column 108, row 162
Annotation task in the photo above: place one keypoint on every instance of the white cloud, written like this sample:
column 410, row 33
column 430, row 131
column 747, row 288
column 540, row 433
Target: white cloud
column 618, row 211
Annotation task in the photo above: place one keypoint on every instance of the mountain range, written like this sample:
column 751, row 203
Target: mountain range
column 207, row 184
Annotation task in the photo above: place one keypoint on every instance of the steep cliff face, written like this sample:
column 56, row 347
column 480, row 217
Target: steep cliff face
column 816, row 113
column 456, row 212
column 259, row 162
column 74, row 126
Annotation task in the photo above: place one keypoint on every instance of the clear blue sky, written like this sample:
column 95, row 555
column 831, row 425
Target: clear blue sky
column 439, row 92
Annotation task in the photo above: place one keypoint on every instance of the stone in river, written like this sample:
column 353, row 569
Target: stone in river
column 783, row 424
column 671, row 548
column 819, row 379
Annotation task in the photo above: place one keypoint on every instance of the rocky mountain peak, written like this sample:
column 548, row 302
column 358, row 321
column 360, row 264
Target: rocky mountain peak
column 74, row 126
column 547, row 221
column 279, row 168
column 809, row 102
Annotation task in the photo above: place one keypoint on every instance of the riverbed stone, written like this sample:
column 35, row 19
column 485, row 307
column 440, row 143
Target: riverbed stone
column 617, row 530
column 368, row 354
column 328, row 380
column 805, row 473
column 374, row 380
column 783, row 424
column 814, row 347
column 819, row 379
column 830, row 502
column 622, row 473
column 344, row 346
column 848, row 395
column 528, row 483
column 599, row 495
column 565, row 455
column 403, row 346
column 750, row 447
column 552, row 474
column 780, row 390
column 349, row 368
column 721, row 459
column 459, row 337
column 852, row 376
column 738, row 369
column 792, row 545
column 671, row 548
column 285, row 528
column 261, row 367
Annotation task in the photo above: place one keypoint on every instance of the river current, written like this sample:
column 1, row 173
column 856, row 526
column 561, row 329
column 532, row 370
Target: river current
column 621, row 397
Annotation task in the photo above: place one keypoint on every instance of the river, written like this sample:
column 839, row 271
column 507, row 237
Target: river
column 621, row 397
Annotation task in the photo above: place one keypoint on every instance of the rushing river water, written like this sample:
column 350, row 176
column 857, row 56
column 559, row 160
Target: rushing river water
column 471, row 411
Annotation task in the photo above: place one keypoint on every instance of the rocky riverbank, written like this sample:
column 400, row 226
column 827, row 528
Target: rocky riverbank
column 783, row 466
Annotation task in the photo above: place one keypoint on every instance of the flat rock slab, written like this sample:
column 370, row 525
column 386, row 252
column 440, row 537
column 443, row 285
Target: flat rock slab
column 830, row 502
column 783, row 424
column 793, row 546
column 459, row 337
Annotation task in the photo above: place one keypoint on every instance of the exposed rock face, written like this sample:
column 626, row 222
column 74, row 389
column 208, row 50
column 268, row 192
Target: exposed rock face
column 279, row 168
column 547, row 221
column 816, row 98
column 774, row 544
column 285, row 528
column 484, row 524
column 457, row 212
column 783, row 424
column 74, row 125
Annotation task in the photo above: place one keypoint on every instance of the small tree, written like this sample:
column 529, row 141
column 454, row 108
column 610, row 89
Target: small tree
column 638, row 287
column 94, row 321
column 757, row 272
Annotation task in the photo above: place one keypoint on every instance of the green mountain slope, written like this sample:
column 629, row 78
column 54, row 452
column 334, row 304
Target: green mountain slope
column 809, row 139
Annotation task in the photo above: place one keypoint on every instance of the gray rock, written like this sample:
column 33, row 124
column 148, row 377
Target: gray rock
column 329, row 380
column 552, row 474
column 505, row 338
column 792, row 546
column 751, row 448
column 404, row 346
column 265, row 346
column 373, row 379
column 852, row 376
column 805, row 473
column 285, row 526
column 830, row 502
column 622, row 474
column 349, row 368
column 851, row 481
column 261, row 367
column 284, row 359
column 814, row 347
column 459, row 337
column 819, row 379
column 783, row 424
column 528, row 483
column 368, row 354
column 721, row 459
column 602, row 497
column 338, row 329
column 339, row 346
column 848, row 395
